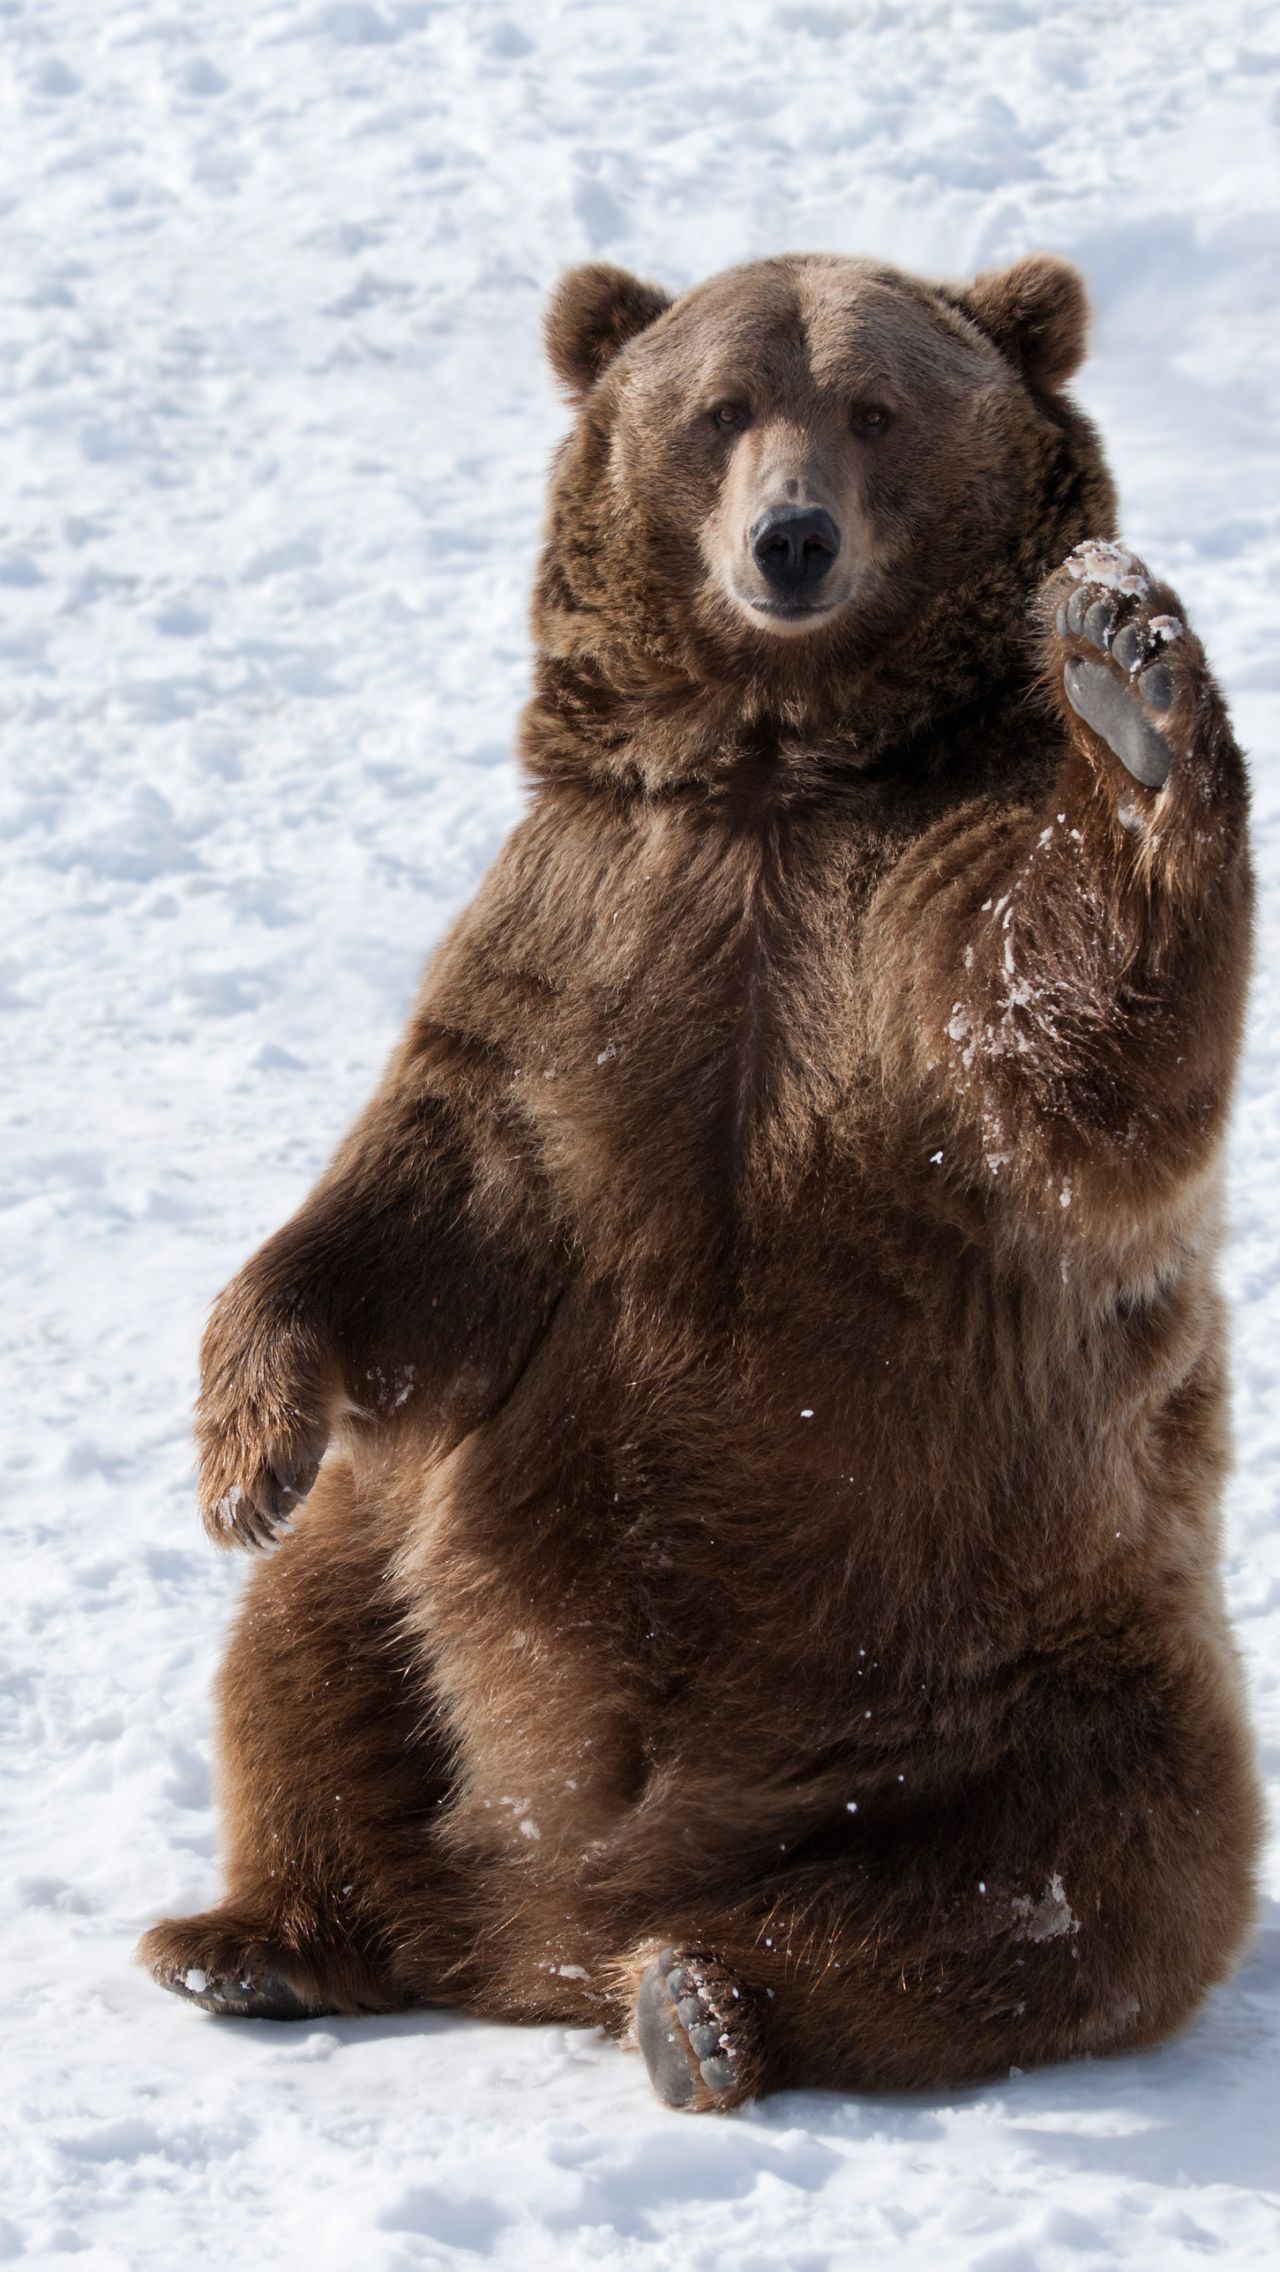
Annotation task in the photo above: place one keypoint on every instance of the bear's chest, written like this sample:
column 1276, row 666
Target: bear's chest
column 709, row 1044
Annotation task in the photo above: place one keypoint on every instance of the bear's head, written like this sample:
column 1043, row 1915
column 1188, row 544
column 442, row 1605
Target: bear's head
column 814, row 490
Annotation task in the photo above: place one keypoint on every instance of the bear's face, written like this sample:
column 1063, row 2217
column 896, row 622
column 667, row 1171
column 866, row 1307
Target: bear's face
column 784, row 472
column 818, row 439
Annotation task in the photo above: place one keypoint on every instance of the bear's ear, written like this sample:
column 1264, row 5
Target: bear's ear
column 594, row 311
column 1036, row 313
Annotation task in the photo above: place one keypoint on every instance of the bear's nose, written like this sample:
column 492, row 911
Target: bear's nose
column 793, row 546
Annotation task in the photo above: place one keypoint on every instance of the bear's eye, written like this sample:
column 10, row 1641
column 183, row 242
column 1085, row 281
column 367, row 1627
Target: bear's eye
column 870, row 418
column 731, row 417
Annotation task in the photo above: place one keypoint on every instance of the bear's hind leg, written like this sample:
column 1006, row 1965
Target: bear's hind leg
column 333, row 1774
column 221, row 1961
column 1080, row 1898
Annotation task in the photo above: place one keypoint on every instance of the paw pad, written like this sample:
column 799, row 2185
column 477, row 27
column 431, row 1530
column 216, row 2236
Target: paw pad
column 1117, row 676
column 1155, row 685
column 695, row 2029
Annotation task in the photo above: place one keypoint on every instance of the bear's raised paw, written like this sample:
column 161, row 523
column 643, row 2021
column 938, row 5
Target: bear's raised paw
column 1123, row 650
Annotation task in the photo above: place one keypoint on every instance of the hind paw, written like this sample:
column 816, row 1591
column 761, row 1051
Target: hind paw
column 698, row 2031
column 233, row 1974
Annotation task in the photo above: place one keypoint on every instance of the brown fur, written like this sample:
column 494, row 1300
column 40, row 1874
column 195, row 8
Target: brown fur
column 765, row 1323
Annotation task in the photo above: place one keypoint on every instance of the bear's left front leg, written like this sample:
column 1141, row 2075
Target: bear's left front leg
column 1060, row 984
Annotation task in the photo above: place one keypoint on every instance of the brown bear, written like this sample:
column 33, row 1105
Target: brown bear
column 761, row 1590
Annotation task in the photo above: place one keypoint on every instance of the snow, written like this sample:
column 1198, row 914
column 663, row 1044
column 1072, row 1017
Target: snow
column 273, row 444
column 1110, row 565
column 1047, row 1918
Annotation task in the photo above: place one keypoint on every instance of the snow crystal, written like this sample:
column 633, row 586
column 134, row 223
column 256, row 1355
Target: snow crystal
column 1047, row 1919
column 1108, row 564
column 1166, row 627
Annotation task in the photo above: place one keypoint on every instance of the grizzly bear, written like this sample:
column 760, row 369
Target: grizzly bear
column 755, row 1371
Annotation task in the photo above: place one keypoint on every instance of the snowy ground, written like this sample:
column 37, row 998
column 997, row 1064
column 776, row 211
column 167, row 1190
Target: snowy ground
column 270, row 470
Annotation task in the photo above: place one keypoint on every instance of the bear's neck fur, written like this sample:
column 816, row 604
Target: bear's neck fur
column 596, row 717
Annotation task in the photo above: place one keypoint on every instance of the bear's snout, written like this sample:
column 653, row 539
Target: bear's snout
column 794, row 547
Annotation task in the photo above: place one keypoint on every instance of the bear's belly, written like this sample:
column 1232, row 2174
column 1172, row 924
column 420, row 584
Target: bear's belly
column 658, row 1533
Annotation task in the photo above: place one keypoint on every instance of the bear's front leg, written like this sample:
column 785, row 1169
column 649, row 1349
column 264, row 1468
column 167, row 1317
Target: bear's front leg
column 407, row 1291
column 1058, row 986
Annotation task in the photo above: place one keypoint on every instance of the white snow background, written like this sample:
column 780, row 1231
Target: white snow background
column 274, row 432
